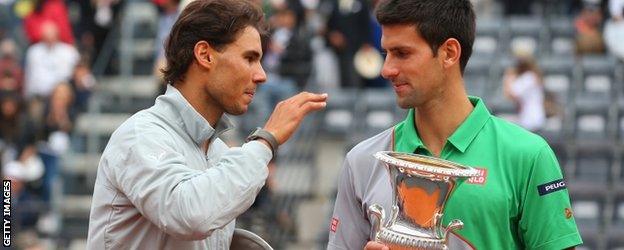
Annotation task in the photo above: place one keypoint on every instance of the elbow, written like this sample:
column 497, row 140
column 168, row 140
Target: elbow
column 189, row 232
column 191, row 221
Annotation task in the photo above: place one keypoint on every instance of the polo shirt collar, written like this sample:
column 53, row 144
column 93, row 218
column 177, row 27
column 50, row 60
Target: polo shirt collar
column 407, row 139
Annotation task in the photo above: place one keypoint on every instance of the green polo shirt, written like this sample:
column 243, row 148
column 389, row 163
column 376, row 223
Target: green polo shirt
column 519, row 201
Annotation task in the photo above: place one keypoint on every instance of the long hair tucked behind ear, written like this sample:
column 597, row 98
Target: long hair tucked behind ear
column 218, row 22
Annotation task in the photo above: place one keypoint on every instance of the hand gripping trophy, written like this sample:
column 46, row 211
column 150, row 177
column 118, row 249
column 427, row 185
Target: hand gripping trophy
column 421, row 186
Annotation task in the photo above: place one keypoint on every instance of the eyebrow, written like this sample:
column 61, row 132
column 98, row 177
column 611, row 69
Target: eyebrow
column 396, row 48
column 252, row 53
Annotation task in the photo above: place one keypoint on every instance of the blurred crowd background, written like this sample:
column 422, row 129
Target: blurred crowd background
column 72, row 70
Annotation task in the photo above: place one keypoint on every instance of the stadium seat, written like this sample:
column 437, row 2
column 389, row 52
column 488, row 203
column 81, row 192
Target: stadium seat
column 594, row 165
column 617, row 222
column 592, row 121
column 558, row 76
column 338, row 116
column 377, row 110
column 588, row 208
column 597, row 79
column 560, row 36
column 476, row 76
column 524, row 35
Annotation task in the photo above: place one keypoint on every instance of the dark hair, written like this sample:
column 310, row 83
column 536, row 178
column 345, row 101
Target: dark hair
column 218, row 22
column 435, row 20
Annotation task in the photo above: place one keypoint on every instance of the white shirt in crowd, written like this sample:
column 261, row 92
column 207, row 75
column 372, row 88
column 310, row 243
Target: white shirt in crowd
column 527, row 88
column 47, row 66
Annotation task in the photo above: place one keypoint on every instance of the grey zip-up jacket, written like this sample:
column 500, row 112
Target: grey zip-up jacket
column 156, row 189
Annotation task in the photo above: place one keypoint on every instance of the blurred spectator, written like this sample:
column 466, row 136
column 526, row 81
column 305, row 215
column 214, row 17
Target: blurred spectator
column 483, row 8
column 374, row 39
column 616, row 9
column 289, row 52
column 59, row 118
column 348, row 30
column 517, row 7
column 287, row 58
column 614, row 28
column 7, row 17
column 53, row 11
column 11, row 75
column 29, row 240
column 523, row 86
column 48, row 63
column 168, row 15
column 18, row 130
column 82, row 83
column 95, row 19
column 19, row 160
column 58, row 115
column 588, row 31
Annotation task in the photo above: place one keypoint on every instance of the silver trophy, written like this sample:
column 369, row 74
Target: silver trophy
column 421, row 185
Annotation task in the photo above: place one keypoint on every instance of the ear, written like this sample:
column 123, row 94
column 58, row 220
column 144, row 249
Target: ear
column 204, row 54
column 451, row 52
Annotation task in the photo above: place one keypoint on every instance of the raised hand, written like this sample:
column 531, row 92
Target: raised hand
column 289, row 113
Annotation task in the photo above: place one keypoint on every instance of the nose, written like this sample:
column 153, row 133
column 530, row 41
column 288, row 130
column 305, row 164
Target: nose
column 389, row 71
column 259, row 76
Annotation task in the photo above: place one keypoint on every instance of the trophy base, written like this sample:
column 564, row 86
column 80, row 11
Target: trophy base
column 397, row 240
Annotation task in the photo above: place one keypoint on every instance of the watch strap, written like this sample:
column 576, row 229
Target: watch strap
column 267, row 136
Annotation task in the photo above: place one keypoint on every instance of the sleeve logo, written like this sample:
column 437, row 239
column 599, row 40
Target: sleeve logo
column 479, row 179
column 568, row 213
column 334, row 225
column 551, row 187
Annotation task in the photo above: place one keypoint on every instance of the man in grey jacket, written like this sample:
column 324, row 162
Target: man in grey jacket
column 165, row 180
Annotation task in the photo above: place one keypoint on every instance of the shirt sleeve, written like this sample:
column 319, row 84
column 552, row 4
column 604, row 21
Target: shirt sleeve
column 349, row 227
column 186, row 203
column 546, row 221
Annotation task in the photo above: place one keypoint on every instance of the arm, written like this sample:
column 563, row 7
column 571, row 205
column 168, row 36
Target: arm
column 183, row 202
column 188, row 203
column 543, row 222
column 350, row 228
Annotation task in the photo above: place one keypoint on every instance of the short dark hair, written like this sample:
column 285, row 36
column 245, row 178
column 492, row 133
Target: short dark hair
column 435, row 20
column 218, row 22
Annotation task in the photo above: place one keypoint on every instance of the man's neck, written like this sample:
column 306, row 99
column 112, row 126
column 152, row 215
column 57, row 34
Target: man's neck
column 437, row 120
column 200, row 102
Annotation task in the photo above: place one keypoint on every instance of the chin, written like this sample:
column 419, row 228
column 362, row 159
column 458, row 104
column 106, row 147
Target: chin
column 404, row 104
column 238, row 110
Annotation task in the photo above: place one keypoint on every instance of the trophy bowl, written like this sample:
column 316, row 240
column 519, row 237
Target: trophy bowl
column 421, row 185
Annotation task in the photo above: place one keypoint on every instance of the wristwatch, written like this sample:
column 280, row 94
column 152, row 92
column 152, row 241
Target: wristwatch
column 260, row 133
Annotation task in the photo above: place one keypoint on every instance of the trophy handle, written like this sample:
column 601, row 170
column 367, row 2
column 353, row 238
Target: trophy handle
column 379, row 217
column 454, row 225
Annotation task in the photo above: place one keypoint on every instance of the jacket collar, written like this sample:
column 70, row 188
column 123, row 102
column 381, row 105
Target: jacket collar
column 192, row 122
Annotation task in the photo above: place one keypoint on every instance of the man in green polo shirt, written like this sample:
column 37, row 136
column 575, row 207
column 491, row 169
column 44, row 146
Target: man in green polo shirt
column 519, row 200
